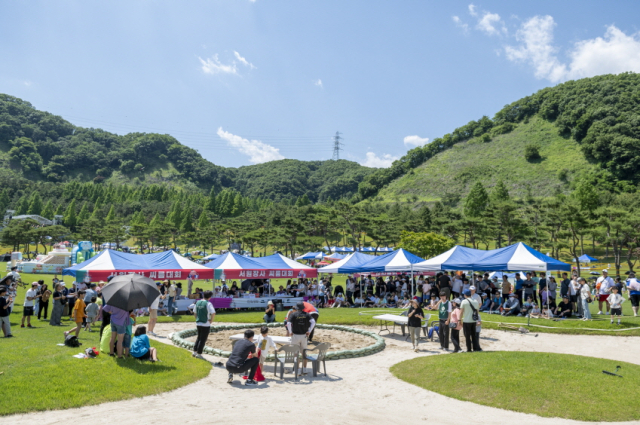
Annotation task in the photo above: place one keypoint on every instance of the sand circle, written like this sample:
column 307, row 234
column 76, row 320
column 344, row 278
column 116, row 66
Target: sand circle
column 339, row 340
column 346, row 342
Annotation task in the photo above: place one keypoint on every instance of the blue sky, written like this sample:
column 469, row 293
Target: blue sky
column 245, row 81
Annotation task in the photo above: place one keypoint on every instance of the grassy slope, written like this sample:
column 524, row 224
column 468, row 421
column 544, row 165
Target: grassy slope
column 519, row 382
column 456, row 169
column 33, row 357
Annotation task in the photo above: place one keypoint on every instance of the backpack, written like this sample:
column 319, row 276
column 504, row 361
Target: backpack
column 202, row 313
column 91, row 352
column 72, row 341
column 475, row 315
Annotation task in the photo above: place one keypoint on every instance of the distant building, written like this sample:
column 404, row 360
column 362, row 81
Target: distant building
column 43, row 221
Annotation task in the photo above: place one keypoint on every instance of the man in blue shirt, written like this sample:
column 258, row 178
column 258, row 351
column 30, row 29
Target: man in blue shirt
column 519, row 287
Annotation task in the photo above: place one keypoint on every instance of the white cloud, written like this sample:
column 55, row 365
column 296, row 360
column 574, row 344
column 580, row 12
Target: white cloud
column 214, row 66
column 257, row 151
column 536, row 37
column 318, row 83
column 27, row 83
column 472, row 10
column 243, row 60
column 614, row 53
column 415, row 140
column 489, row 22
column 459, row 23
column 375, row 161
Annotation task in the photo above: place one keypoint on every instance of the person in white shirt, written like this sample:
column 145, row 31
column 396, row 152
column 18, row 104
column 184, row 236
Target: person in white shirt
column 605, row 283
column 339, row 301
column 585, row 295
column 358, row 302
column 14, row 274
column 456, row 287
column 264, row 343
column 615, row 300
column 29, row 301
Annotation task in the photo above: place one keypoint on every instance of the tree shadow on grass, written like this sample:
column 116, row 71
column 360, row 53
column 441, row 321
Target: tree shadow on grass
column 144, row 367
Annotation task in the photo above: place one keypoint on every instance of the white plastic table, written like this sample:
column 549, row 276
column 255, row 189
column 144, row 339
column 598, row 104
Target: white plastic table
column 384, row 319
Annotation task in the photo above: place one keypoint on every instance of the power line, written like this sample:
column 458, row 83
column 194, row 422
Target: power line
column 336, row 146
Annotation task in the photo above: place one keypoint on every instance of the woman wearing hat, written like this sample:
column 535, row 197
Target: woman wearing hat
column 270, row 313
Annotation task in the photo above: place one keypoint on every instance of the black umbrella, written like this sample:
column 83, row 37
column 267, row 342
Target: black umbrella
column 131, row 291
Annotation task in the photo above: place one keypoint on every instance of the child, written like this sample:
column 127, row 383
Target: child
column 126, row 342
column 535, row 311
column 615, row 300
column 264, row 343
column 495, row 303
column 78, row 314
column 140, row 347
column 92, row 313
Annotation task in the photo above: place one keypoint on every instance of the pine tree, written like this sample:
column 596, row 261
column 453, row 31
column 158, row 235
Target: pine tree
column 187, row 222
column 4, row 200
column 22, row 206
column 177, row 216
column 84, row 214
column 210, row 203
column 425, row 217
column 97, row 205
column 499, row 193
column 203, row 221
column 60, row 210
column 237, row 209
column 476, row 201
column 111, row 216
column 35, row 205
column 47, row 211
column 156, row 221
column 70, row 217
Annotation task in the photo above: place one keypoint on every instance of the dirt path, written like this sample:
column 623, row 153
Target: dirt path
column 357, row 391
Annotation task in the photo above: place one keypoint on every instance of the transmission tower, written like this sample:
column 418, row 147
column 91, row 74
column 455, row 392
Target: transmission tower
column 336, row 145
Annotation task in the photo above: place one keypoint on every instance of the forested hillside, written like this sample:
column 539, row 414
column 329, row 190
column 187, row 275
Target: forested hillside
column 40, row 147
column 538, row 143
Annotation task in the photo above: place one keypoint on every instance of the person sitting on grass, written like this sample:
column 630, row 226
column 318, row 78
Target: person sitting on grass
column 495, row 303
column 369, row 301
column 140, row 347
column 565, row 308
column 511, row 307
column 535, row 311
column 339, row 301
column 391, row 301
column 358, row 302
column 615, row 300
column 526, row 307
column 242, row 358
column 78, row 314
column 486, row 302
column 406, row 302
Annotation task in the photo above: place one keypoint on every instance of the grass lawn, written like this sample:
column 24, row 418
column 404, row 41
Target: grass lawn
column 40, row 375
column 519, row 382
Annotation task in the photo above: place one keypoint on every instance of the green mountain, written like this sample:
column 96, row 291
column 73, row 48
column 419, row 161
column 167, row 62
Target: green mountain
column 538, row 145
column 37, row 146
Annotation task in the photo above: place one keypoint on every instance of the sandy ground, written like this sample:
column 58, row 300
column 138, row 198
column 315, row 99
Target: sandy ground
column 357, row 391
column 339, row 340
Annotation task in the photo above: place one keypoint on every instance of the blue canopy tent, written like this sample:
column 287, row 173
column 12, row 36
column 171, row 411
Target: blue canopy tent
column 311, row 256
column 457, row 258
column 352, row 260
column 335, row 256
column 586, row 258
column 397, row 261
column 212, row 257
column 516, row 257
